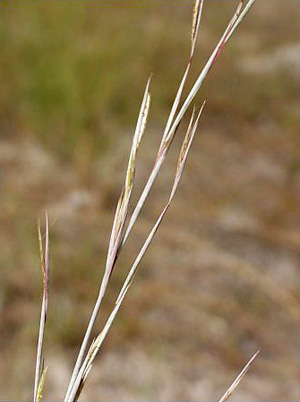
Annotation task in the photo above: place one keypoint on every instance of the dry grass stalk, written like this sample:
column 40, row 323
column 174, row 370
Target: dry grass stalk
column 82, row 375
column 118, row 226
column 45, row 266
column 119, row 234
column 173, row 122
column 167, row 138
column 236, row 382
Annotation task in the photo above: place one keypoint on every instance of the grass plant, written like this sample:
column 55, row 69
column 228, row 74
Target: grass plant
column 123, row 224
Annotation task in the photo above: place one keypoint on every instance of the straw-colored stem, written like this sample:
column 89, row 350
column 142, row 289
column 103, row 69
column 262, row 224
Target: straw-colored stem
column 236, row 382
column 45, row 276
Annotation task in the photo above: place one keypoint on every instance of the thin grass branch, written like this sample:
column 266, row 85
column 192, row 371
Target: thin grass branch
column 45, row 266
column 238, row 379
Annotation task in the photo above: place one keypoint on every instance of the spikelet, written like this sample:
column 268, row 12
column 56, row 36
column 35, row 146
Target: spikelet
column 196, row 12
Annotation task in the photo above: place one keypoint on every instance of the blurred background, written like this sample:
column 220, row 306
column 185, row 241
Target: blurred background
column 219, row 281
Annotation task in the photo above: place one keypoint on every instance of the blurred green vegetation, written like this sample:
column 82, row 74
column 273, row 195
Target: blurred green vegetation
column 74, row 72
